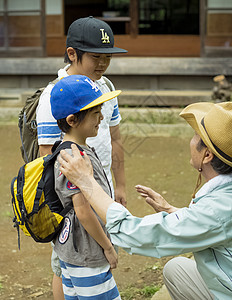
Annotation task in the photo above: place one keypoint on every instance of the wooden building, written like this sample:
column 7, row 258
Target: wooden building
column 158, row 28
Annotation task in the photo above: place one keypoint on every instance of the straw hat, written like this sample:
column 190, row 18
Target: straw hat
column 213, row 123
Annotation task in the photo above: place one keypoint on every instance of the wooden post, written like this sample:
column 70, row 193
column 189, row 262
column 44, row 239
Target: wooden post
column 43, row 33
column 6, row 26
column 202, row 19
column 134, row 15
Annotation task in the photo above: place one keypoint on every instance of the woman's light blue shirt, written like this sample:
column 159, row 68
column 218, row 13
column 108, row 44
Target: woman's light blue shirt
column 204, row 228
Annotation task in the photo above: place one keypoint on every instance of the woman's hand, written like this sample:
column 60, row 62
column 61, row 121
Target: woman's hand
column 157, row 202
column 76, row 168
column 112, row 257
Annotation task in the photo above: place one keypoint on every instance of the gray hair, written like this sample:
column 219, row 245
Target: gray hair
column 218, row 165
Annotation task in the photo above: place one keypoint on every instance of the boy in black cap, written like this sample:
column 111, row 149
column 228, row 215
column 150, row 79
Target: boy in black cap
column 83, row 246
column 90, row 45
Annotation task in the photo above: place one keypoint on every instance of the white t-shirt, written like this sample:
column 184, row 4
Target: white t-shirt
column 49, row 132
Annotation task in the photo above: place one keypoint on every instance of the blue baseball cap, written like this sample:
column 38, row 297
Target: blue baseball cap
column 75, row 93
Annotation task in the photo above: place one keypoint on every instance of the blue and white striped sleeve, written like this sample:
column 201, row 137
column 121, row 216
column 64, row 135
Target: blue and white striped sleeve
column 116, row 117
column 47, row 128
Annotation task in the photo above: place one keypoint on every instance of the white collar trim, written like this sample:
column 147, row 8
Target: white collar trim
column 213, row 183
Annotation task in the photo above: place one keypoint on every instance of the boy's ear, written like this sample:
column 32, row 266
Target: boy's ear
column 71, row 120
column 71, row 53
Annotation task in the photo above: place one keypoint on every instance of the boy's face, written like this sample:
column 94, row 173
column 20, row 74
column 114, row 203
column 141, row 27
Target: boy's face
column 93, row 65
column 90, row 125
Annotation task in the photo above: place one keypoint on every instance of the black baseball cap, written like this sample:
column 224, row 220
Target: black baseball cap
column 92, row 35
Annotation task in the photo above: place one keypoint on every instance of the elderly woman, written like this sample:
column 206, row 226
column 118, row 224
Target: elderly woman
column 205, row 227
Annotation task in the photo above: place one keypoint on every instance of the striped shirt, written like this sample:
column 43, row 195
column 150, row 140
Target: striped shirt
column 88, row 283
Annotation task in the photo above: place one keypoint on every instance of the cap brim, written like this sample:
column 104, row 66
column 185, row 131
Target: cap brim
column 103, row 98
column 193, row 114
column 103, row 50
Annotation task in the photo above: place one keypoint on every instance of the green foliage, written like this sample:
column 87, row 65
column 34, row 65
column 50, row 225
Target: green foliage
column 149, row 291
column 1, row 285
column 132, row 292
column 151, row 116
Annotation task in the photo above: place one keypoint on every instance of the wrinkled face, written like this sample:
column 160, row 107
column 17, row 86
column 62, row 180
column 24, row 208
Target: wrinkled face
column 93, row 65
column 196, row 155
column 90, row 125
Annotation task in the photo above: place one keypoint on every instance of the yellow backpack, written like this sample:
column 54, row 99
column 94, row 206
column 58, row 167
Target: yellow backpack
column 37, row 208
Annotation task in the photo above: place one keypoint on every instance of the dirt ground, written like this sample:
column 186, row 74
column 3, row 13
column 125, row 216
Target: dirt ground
column 159, row 162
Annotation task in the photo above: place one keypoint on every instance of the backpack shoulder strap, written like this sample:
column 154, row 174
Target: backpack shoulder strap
column 55, row 81
column 60, row 146
column 108, row 83
column 48, row 161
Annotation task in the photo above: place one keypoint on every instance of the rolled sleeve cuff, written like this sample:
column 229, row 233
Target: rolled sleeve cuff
column 115, row 214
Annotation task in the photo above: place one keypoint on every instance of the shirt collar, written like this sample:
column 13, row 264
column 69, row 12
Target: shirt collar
column 63, row 72
column 210, row 185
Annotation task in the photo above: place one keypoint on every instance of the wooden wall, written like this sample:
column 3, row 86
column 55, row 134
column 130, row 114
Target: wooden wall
column 219, row 24
column 160, row 45
column 144, row 45
column 25, row 31
column 219, row 30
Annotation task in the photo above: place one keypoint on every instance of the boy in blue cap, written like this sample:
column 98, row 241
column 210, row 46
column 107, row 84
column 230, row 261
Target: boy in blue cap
column 83, row 246
column 89, row 49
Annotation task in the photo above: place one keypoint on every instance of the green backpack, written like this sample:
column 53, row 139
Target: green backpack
column 37, row 208
column 28, row 126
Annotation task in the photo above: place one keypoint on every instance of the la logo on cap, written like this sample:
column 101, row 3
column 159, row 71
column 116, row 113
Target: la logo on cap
column 105, row 37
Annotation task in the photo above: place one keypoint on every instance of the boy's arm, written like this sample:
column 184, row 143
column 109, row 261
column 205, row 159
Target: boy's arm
column 118, row 165
column 47, row 128
column 45, row 149
column 92, row 225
